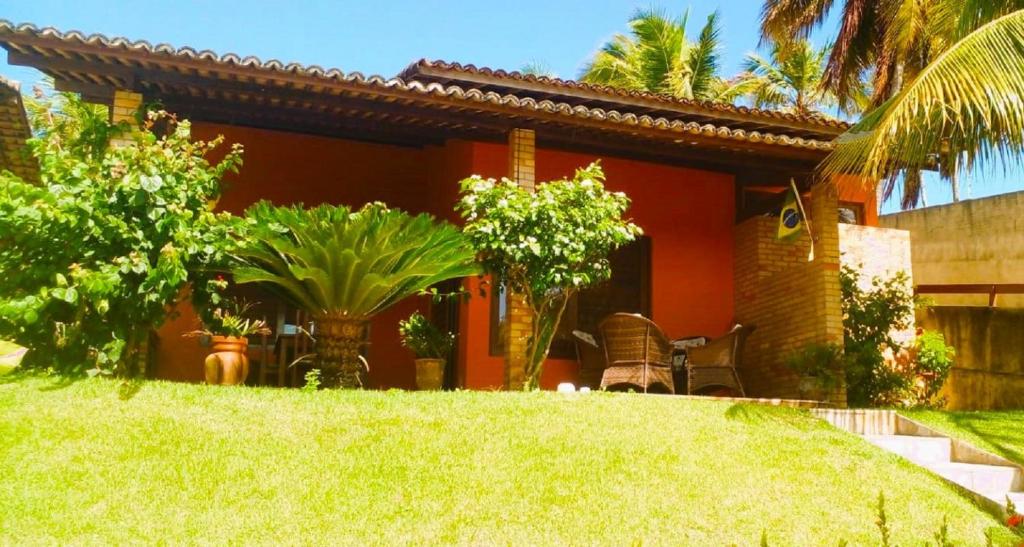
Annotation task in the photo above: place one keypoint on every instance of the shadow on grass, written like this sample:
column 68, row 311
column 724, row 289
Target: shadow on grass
column 1004, row 435
column 129, row 388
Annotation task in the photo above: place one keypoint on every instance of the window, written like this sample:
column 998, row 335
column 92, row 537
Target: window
column 851, row 212
column 628, row 290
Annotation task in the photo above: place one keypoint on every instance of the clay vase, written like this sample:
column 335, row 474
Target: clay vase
column 228, row 365
column 429, row 374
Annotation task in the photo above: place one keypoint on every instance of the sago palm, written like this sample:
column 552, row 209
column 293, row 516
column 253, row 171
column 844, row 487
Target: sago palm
column 657, row 57
column 967, row 102
column 345, row 266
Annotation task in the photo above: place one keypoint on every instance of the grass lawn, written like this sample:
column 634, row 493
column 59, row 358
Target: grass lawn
column 97, row 462
column 999, row 432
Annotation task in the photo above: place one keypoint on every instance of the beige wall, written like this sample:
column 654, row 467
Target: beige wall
column 975, row 241
column 988, row 371
column 877, row 252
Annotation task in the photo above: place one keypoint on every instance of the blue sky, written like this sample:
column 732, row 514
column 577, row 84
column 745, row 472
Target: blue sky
column 383, row 37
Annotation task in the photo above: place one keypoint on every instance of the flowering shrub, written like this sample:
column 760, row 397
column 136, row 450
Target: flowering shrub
column 546, row 245
column 95, row 254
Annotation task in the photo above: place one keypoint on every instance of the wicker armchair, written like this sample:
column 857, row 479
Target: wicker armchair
column 637, row 353
column 590, row 356
column 714, row 365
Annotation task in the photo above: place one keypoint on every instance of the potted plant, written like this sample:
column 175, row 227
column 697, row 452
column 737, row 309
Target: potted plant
column 430, row 345
column 820, row 368
column 228, row 330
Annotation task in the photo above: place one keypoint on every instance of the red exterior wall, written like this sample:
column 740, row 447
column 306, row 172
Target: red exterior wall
column 288, row 168
column 689, row 216
column 687, row 213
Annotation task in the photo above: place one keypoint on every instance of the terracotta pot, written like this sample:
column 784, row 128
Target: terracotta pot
column 228, row 365
column 429, row 374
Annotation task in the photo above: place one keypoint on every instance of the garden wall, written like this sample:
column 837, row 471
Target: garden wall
column 973, row 241
column 988, row 372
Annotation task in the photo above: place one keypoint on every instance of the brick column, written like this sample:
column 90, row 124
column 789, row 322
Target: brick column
column 824, row 212
column 126, row 105
column 519, row 321
column 791, row 301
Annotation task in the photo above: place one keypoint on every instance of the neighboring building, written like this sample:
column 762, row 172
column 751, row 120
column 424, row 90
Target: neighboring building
column 705, row 180
column 968, row 259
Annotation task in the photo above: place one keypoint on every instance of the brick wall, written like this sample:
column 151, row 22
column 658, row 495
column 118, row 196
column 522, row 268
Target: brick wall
column 792, row 301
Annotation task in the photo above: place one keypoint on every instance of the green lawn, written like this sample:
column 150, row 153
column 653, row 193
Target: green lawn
column 98, row 462
column 999, row 432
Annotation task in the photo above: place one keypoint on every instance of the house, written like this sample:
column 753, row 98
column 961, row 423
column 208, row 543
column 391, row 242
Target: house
column 705, row 180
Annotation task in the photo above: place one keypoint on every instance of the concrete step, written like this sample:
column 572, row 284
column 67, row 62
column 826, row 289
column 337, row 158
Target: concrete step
column 991, row 481
column 920, row 450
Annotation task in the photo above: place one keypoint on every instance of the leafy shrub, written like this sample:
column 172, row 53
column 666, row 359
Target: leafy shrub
column 424, row 339
column 870, row 317
column 879, row 370
column 934, row 359
column 546, row 245
column 823, row 363
column 96, row 253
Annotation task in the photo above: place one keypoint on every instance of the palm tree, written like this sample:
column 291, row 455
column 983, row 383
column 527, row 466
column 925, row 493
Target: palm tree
column 790, row 79
column 964, row 106
column 344, row 267
column 893, row 40
column 657, row 57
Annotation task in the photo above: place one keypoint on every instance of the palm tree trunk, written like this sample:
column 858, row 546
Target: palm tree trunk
column 338, row 340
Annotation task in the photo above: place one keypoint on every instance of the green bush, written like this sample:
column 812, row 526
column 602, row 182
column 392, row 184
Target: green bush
column 934, row 359
column 424, row 339
column 95, row 254
column 546, row 245
column 870, row 317
column 823, row 363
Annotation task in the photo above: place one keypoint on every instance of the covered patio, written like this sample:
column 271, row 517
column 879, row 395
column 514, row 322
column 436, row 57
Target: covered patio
column 704, row 180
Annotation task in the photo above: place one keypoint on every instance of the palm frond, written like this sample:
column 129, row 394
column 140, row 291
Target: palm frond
column 703, row 59
column 785, row 19
column 332, row 259
column 970, row 99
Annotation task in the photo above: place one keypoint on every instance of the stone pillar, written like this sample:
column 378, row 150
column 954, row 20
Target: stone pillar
column 519, row 319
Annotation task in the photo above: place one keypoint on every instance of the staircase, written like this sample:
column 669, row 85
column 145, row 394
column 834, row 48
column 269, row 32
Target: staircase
column 990, row 479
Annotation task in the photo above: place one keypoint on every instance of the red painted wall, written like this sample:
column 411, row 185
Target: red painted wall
column 688, row 214
column 288, row 168
column 853, row 190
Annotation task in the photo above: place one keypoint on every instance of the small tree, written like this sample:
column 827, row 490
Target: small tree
column 546, row 245
column 95, row 254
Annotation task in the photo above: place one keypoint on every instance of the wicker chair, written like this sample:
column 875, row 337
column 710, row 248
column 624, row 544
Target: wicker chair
column 714, row 365
column 637, row 353
column 590, row 356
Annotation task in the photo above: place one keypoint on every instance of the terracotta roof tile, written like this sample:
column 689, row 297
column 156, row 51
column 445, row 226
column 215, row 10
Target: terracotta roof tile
column 559, row 83
column 11, row 33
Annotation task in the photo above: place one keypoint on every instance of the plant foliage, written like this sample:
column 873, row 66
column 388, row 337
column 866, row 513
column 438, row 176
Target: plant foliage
column 330, row 259
column 424, row 339
column 346, row 266
column 658, row 57
column 546, row 245
column 95, row 254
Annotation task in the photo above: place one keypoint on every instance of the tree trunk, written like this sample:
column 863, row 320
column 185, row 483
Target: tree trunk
column 338, row 340
column 545, row 324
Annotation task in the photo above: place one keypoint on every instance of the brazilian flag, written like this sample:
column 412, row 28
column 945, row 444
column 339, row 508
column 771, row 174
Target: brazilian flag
column 791, row 219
